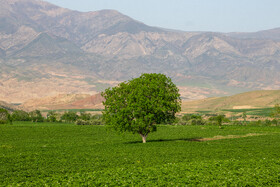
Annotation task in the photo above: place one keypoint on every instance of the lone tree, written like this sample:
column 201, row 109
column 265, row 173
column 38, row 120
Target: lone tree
column 219, row 119
column 139, row 104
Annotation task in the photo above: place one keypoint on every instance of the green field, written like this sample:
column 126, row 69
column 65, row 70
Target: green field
column 70, row 155
column 265, row 112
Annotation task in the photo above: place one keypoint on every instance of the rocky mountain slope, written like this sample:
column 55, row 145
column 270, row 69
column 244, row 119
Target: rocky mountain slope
column 46, row 50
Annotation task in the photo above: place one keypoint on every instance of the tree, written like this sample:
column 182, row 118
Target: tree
column 140, row 104
column 69, row 117
column 52, row 116
column 20, row 115
column 36, row 116
column 244, row 116
column 219, row 119
column 85, row 116
column 5, row 117
column 276, row 113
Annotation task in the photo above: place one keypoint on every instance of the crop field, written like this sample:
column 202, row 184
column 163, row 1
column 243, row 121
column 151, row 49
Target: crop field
column 57, row 154
column 265, row 112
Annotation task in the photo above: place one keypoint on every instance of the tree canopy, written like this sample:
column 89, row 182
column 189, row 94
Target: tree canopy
column 139, row 104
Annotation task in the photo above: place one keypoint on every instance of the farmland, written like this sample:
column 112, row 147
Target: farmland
column 33, row 154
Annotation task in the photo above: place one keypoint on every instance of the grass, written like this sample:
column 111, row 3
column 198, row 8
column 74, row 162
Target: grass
column 70, row 155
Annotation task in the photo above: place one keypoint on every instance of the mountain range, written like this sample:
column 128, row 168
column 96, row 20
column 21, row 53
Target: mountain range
column 47, row 50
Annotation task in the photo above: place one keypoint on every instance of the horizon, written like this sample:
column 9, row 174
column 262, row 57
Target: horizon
column 190, row 15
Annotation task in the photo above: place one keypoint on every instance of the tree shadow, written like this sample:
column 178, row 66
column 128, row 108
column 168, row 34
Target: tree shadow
column 196, row 139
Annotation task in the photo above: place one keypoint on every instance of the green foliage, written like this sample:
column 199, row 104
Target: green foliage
column 188, row 117
column 20, row 115
column 88, row 119
column 244, row 116
column 276, row 111
column 85, row 116
column 69, row 117
column 96, row 116
column 52, row 116
column 219, row 119
column 89, row 122
column 36, row 116
column 275, row 122
column 140, row 104
column 191, row 119
column 5, row 117
column 55, row 154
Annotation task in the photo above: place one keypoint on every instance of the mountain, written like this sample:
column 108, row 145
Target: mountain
column 53, row 102
column 47, row 50
column 247, row 100
column 47, row 45
column 272, row 34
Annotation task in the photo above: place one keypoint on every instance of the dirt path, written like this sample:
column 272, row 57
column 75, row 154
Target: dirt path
column 229, row 137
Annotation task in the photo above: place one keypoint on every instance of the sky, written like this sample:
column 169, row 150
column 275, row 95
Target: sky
column 191, row 15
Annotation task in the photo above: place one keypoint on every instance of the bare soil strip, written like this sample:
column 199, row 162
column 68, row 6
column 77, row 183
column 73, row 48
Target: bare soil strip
column 228, row 137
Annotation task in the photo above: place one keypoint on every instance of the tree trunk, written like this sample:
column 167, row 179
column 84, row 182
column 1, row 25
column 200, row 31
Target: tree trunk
column 144, row 138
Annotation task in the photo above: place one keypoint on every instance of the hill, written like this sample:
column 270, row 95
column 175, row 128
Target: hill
column 46, row 50
column 7, row 106
column 247, row 100
column 65, row 101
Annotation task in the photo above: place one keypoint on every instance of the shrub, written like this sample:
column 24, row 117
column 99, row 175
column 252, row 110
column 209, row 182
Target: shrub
column 267, row 122
column 197, row 122
column 188, row 117
column 88, row 122
column 180, row 121
column 274, row 122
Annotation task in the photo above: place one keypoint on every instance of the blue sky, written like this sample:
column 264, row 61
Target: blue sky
column 191, row 15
